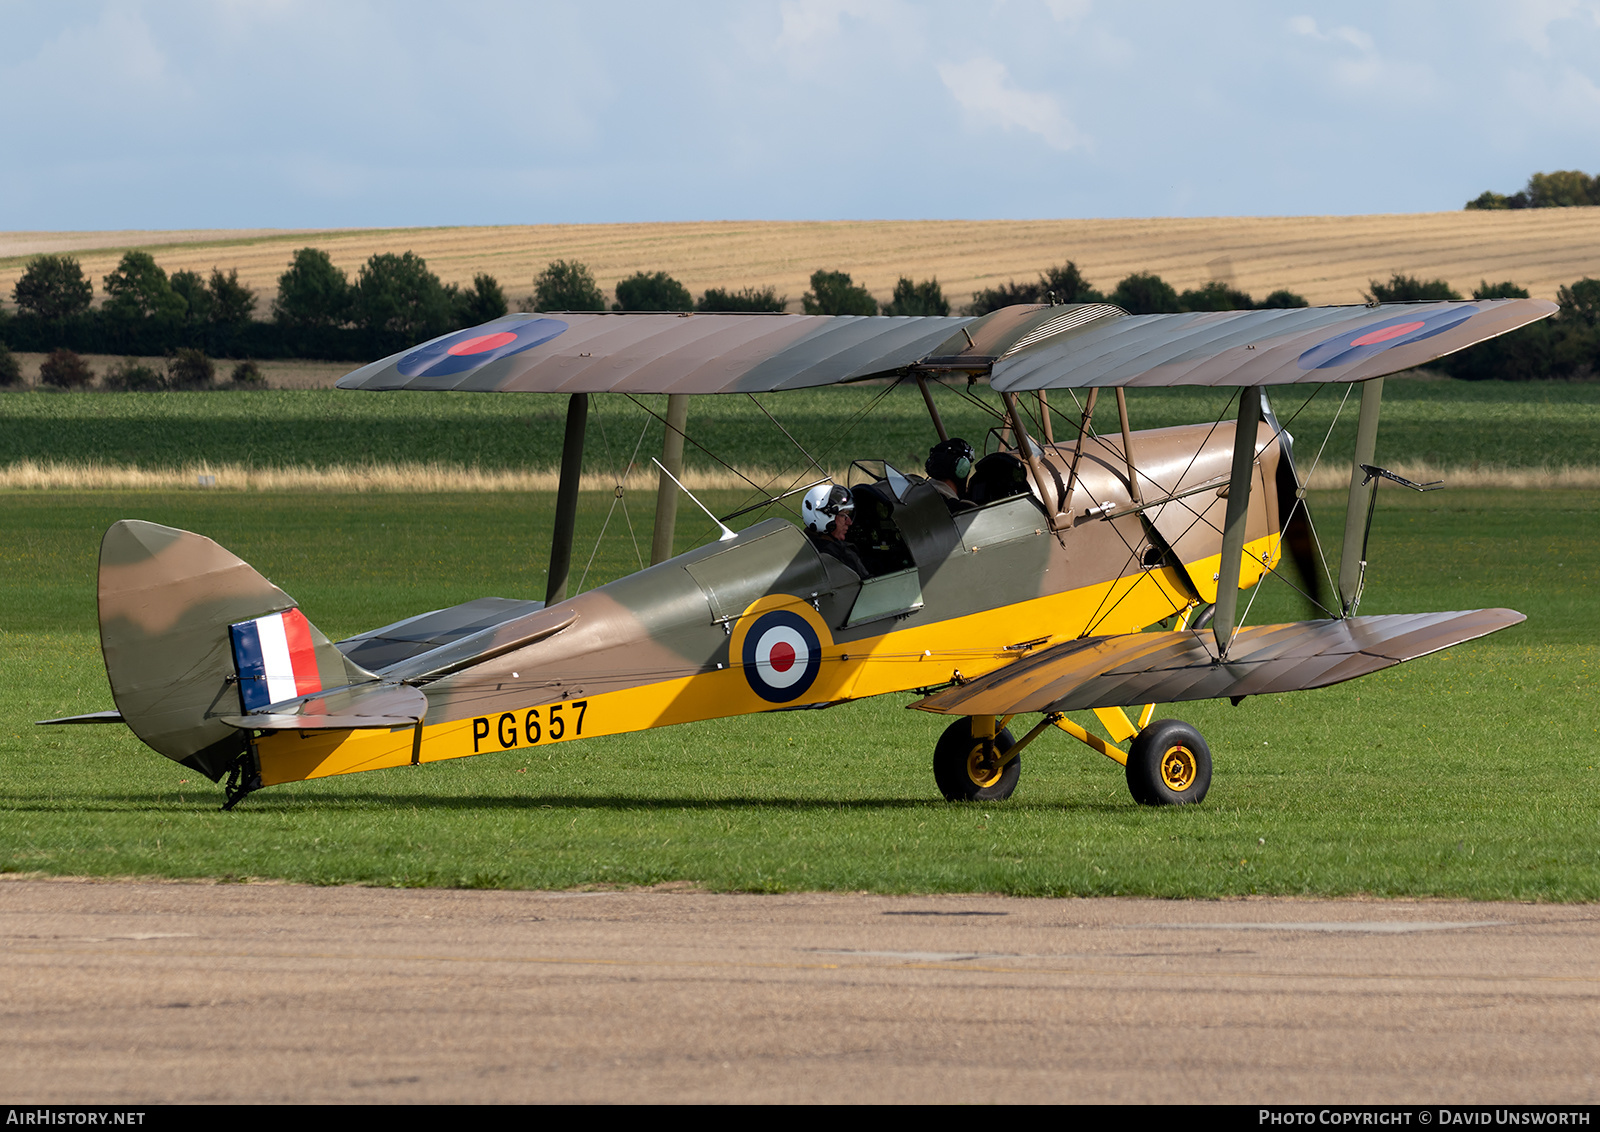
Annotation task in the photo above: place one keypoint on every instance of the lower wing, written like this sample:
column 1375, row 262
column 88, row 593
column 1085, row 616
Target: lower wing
column 1168, row 667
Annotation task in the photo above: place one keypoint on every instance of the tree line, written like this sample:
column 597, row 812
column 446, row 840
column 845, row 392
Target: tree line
column 1565, row 188
column 394, row 302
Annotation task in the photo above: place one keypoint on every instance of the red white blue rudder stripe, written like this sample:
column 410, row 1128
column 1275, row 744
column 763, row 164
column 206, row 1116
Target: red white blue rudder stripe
column 275, row 659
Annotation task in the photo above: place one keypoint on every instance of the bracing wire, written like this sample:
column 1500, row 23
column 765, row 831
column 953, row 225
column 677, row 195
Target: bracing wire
column 619, row 495
column 1299, row 503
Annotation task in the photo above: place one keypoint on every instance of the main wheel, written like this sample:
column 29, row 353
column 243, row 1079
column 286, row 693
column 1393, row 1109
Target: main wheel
column 962, row 772
column 1168, row 764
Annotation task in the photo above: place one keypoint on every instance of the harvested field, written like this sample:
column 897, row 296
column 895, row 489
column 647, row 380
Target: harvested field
column 279, row 373
column 1328, row 259
column 28, row 475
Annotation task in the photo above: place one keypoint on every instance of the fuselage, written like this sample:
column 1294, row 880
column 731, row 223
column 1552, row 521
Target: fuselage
column 764, row 622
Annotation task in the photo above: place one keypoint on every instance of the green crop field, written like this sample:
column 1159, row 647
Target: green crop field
column 1452, row 424
column 1473, row 773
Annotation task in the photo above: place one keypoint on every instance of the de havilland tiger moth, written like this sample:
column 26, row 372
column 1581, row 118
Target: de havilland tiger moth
column 1095, row 572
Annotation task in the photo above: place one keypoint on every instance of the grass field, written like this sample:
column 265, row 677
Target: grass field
column 1458, row 426
column 1328, row 259
column 1473, row 773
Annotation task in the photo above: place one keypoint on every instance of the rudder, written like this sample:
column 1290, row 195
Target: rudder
column 168, row 599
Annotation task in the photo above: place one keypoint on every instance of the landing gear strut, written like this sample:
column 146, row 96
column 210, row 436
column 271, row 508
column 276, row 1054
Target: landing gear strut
column 244, row 777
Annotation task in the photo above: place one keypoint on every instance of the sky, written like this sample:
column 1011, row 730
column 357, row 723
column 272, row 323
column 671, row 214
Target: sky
column 282, row 113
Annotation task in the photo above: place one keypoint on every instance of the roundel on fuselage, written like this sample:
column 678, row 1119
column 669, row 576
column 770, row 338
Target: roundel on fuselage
column 781, row 656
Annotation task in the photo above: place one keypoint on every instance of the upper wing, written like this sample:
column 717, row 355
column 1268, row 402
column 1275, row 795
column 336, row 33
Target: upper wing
column 659, row 353
column 1169, row 667
column 1017, row 348
column 1267, row 347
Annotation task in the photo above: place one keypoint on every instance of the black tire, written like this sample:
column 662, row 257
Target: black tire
column 955, row 759
column 1169, row 764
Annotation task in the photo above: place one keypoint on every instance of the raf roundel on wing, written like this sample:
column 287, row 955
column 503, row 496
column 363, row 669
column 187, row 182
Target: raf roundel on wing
column 1351, row 346
column 468, row 349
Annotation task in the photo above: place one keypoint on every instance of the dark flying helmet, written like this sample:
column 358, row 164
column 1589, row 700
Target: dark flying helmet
column 951, row 460
column 823, row 504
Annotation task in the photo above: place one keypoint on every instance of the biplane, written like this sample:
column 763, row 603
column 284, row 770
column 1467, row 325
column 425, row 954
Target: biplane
column 1095, row 572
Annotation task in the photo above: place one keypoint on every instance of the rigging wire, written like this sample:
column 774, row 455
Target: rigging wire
column 619, row 495
column 1300, row 503
column 1097, row 616
column 833, row 443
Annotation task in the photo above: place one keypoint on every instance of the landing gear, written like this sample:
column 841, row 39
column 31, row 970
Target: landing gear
column 967, row 767
column 244, row 777
column 1168, row 764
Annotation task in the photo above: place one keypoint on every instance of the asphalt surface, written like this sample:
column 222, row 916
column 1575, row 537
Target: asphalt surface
column 127, row 993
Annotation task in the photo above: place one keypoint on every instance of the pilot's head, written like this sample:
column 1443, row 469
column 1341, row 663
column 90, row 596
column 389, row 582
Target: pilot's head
column 824, row 505
column 951, row 460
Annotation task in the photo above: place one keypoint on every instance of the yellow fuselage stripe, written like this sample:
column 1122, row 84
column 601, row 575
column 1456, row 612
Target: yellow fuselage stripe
column 916, row 657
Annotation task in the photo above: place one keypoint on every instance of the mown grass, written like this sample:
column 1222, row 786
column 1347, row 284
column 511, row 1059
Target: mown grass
column 1452, row 424
column 1469, row 774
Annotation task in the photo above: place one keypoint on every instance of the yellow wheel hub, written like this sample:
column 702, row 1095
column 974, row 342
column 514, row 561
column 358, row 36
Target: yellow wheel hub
column 981, row 773
column 1178, row 769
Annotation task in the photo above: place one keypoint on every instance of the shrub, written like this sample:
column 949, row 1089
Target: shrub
column 484, row 302
column 832, row 292
column 196, row 298
column 138, row 290
column 313, row 292
column 917, row 298
column 1580, row 303
column 657, row 291
column 1216, row 296
column 1144, row 293
column 1064, row 284
column 1006, row 295
column 566, row 286
column 1565, row 188
column 65, row 370
column 751, row 300
column 1408, row 289
column 247, row 375
column 53, row 287
column 1492, row 200
column 10, row 368
column 190, row 369
column 397, row 295
column 131, row 375
column 231, row 301
column 1506, row 290
column 1280, row 299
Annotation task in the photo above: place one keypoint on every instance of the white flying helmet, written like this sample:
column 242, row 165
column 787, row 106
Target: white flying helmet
column 823, row 504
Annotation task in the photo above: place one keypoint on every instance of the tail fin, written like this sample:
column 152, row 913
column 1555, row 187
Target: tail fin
column 179, row 616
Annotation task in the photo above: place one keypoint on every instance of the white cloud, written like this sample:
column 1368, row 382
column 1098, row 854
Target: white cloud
column 841, row 37
column 983, row 88
column 1530, row 20
column 1360, row 68
column 1354, row 37
column 1068, row 11
column 805, row 21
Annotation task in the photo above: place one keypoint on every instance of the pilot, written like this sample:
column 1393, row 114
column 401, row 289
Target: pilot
column 826, row 510
column 949, row 464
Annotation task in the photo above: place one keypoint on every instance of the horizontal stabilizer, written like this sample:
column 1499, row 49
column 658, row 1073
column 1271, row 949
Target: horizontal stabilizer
column 348, row 709
column 379, row 648
column 1170, row 667
column 92, row 717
